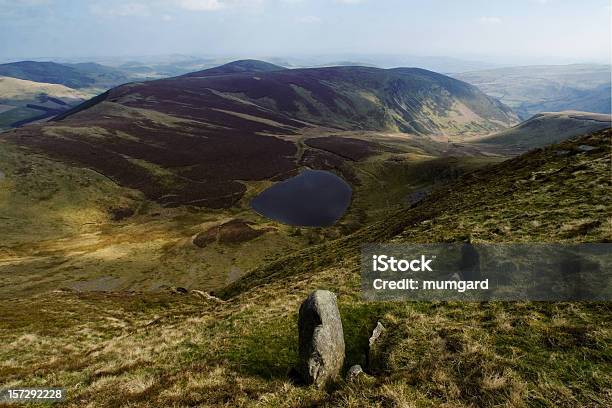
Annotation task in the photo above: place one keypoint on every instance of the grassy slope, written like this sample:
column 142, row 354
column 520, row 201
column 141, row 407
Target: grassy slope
column 164, row 350
column 58, row 231
column 78, row 245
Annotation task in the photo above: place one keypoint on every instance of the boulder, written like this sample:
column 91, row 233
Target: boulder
column 321, row 339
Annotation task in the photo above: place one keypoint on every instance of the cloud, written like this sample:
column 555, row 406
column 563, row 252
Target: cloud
column 213, row 5
column 122, row 10
column 350, row 1
column 309, row 20
column 31, row 2
column 163, row 7
column 490, row 20
column 202, row 5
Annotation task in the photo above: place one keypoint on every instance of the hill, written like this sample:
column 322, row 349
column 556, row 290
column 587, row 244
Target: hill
column 104, row 77
column 194, row 140
column 47, row 72
column 236, row 67
column 547, row 128
column 171, row 349
column 406, row 99
column 24, row 101
column 546, row 88
column 76, row 76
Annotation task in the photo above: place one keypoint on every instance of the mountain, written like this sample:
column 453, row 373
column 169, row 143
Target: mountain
column 405, row 99
column 76, row 76
column 104, row 77
column 208, row 132
column 187, row 348
column 550, row 127
column 544, row 88
column 47, row 72
column 237, row 67
column 23, row 101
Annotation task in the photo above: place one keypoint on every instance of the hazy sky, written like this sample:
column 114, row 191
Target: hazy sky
column 571, row 29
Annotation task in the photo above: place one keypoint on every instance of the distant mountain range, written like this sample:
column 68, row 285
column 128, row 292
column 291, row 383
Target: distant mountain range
column 547, row 88
column 527, row 90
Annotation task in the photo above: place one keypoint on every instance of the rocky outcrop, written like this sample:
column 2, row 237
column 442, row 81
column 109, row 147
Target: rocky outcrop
column 321, row 339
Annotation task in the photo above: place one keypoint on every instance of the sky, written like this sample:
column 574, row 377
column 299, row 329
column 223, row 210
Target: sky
column 521, row 30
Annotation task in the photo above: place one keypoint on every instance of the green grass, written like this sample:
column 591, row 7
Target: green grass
column 148, row 350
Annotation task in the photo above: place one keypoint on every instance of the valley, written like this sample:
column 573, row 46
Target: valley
column 531, row 90
column 129, row 190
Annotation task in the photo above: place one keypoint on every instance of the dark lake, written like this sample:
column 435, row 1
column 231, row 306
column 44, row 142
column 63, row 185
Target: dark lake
column 314, row 198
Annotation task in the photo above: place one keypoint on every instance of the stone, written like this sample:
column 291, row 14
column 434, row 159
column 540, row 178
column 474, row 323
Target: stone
column 375, row 358
column 321, row 339
column 354, row 372
column 376, row 333
column 206, row 295
column 586, row 148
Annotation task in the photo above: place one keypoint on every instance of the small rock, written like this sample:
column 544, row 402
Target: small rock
column 181, row 290
column 207, row 296
column 376, row 333
column 354, row 372
column 562, row 152
column 321, row 338
column 374, row 358
column 586, row 148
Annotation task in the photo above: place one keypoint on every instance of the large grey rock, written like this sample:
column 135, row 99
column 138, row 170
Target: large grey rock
column 321, row 338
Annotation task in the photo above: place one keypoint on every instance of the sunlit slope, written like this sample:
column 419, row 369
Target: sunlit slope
column 76, row 76
column 22, row 101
